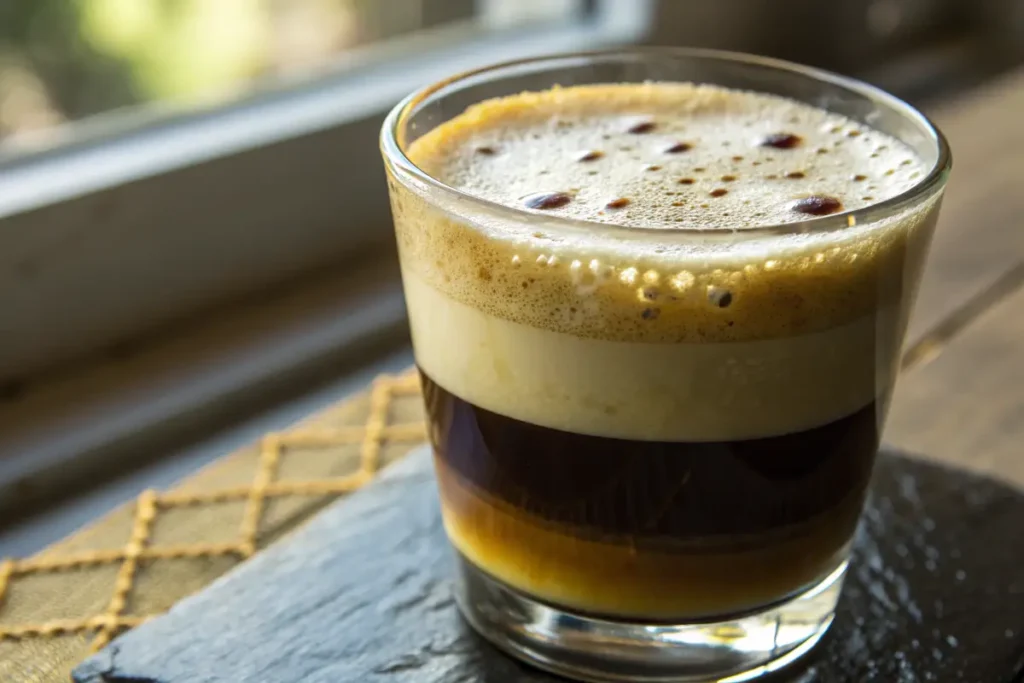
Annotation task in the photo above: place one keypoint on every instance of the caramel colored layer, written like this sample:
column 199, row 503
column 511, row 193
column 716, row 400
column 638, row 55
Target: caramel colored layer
column 618, row 579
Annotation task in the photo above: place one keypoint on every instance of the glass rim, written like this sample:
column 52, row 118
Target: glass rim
column 396, row 159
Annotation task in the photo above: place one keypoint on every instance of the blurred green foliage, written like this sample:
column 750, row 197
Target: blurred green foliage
column 89, row 56
column 44, row 37
column 180, row 48
column 65, row 60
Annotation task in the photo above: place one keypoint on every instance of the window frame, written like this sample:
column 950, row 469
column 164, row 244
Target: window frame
column 162, row 276
column 144, row 219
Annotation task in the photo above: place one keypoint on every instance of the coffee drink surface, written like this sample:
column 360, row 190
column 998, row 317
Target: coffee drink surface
column 668, row 414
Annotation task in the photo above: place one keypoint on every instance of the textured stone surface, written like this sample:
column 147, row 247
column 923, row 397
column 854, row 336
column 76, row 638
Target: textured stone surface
column 363, row 593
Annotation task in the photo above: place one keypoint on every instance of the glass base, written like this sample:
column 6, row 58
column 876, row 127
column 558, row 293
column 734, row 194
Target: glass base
column 604, row 651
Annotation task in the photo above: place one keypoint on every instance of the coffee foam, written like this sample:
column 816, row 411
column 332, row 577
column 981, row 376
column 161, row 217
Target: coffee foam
column 704, row 160
column 607, row 285
column 501, row 306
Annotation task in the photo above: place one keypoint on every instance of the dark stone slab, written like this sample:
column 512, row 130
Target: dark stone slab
column 362, row 593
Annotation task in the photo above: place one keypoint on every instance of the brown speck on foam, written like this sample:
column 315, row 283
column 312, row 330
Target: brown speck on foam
column 618, row 203
column 652, row 167
column 796, row 175
column 678, row 148
column 686, row 181
column 719, row 192
column 547, row 200
column 781, row 140
column 860, row 177
column 486, row 150
column 817, row 205
column 592, row 155
column 728, row 178
column 641, row 127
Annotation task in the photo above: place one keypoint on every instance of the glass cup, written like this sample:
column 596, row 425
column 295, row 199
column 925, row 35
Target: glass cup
column 656, row 507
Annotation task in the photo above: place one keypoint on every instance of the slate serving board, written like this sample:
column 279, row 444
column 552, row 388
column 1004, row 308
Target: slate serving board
column 363, row 593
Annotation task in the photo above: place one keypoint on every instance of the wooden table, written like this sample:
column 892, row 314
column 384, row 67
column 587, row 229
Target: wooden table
column 961, row 396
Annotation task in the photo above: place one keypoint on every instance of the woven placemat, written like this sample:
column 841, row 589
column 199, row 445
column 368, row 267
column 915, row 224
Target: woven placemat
column 68, row 601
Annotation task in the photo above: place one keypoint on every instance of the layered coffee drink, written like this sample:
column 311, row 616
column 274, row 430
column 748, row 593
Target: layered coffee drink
column 655, row 389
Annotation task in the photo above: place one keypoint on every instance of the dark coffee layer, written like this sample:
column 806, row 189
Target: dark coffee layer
column 650, row 492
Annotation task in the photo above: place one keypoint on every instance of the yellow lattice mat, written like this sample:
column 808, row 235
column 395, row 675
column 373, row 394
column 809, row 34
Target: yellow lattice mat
column 70, row 600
